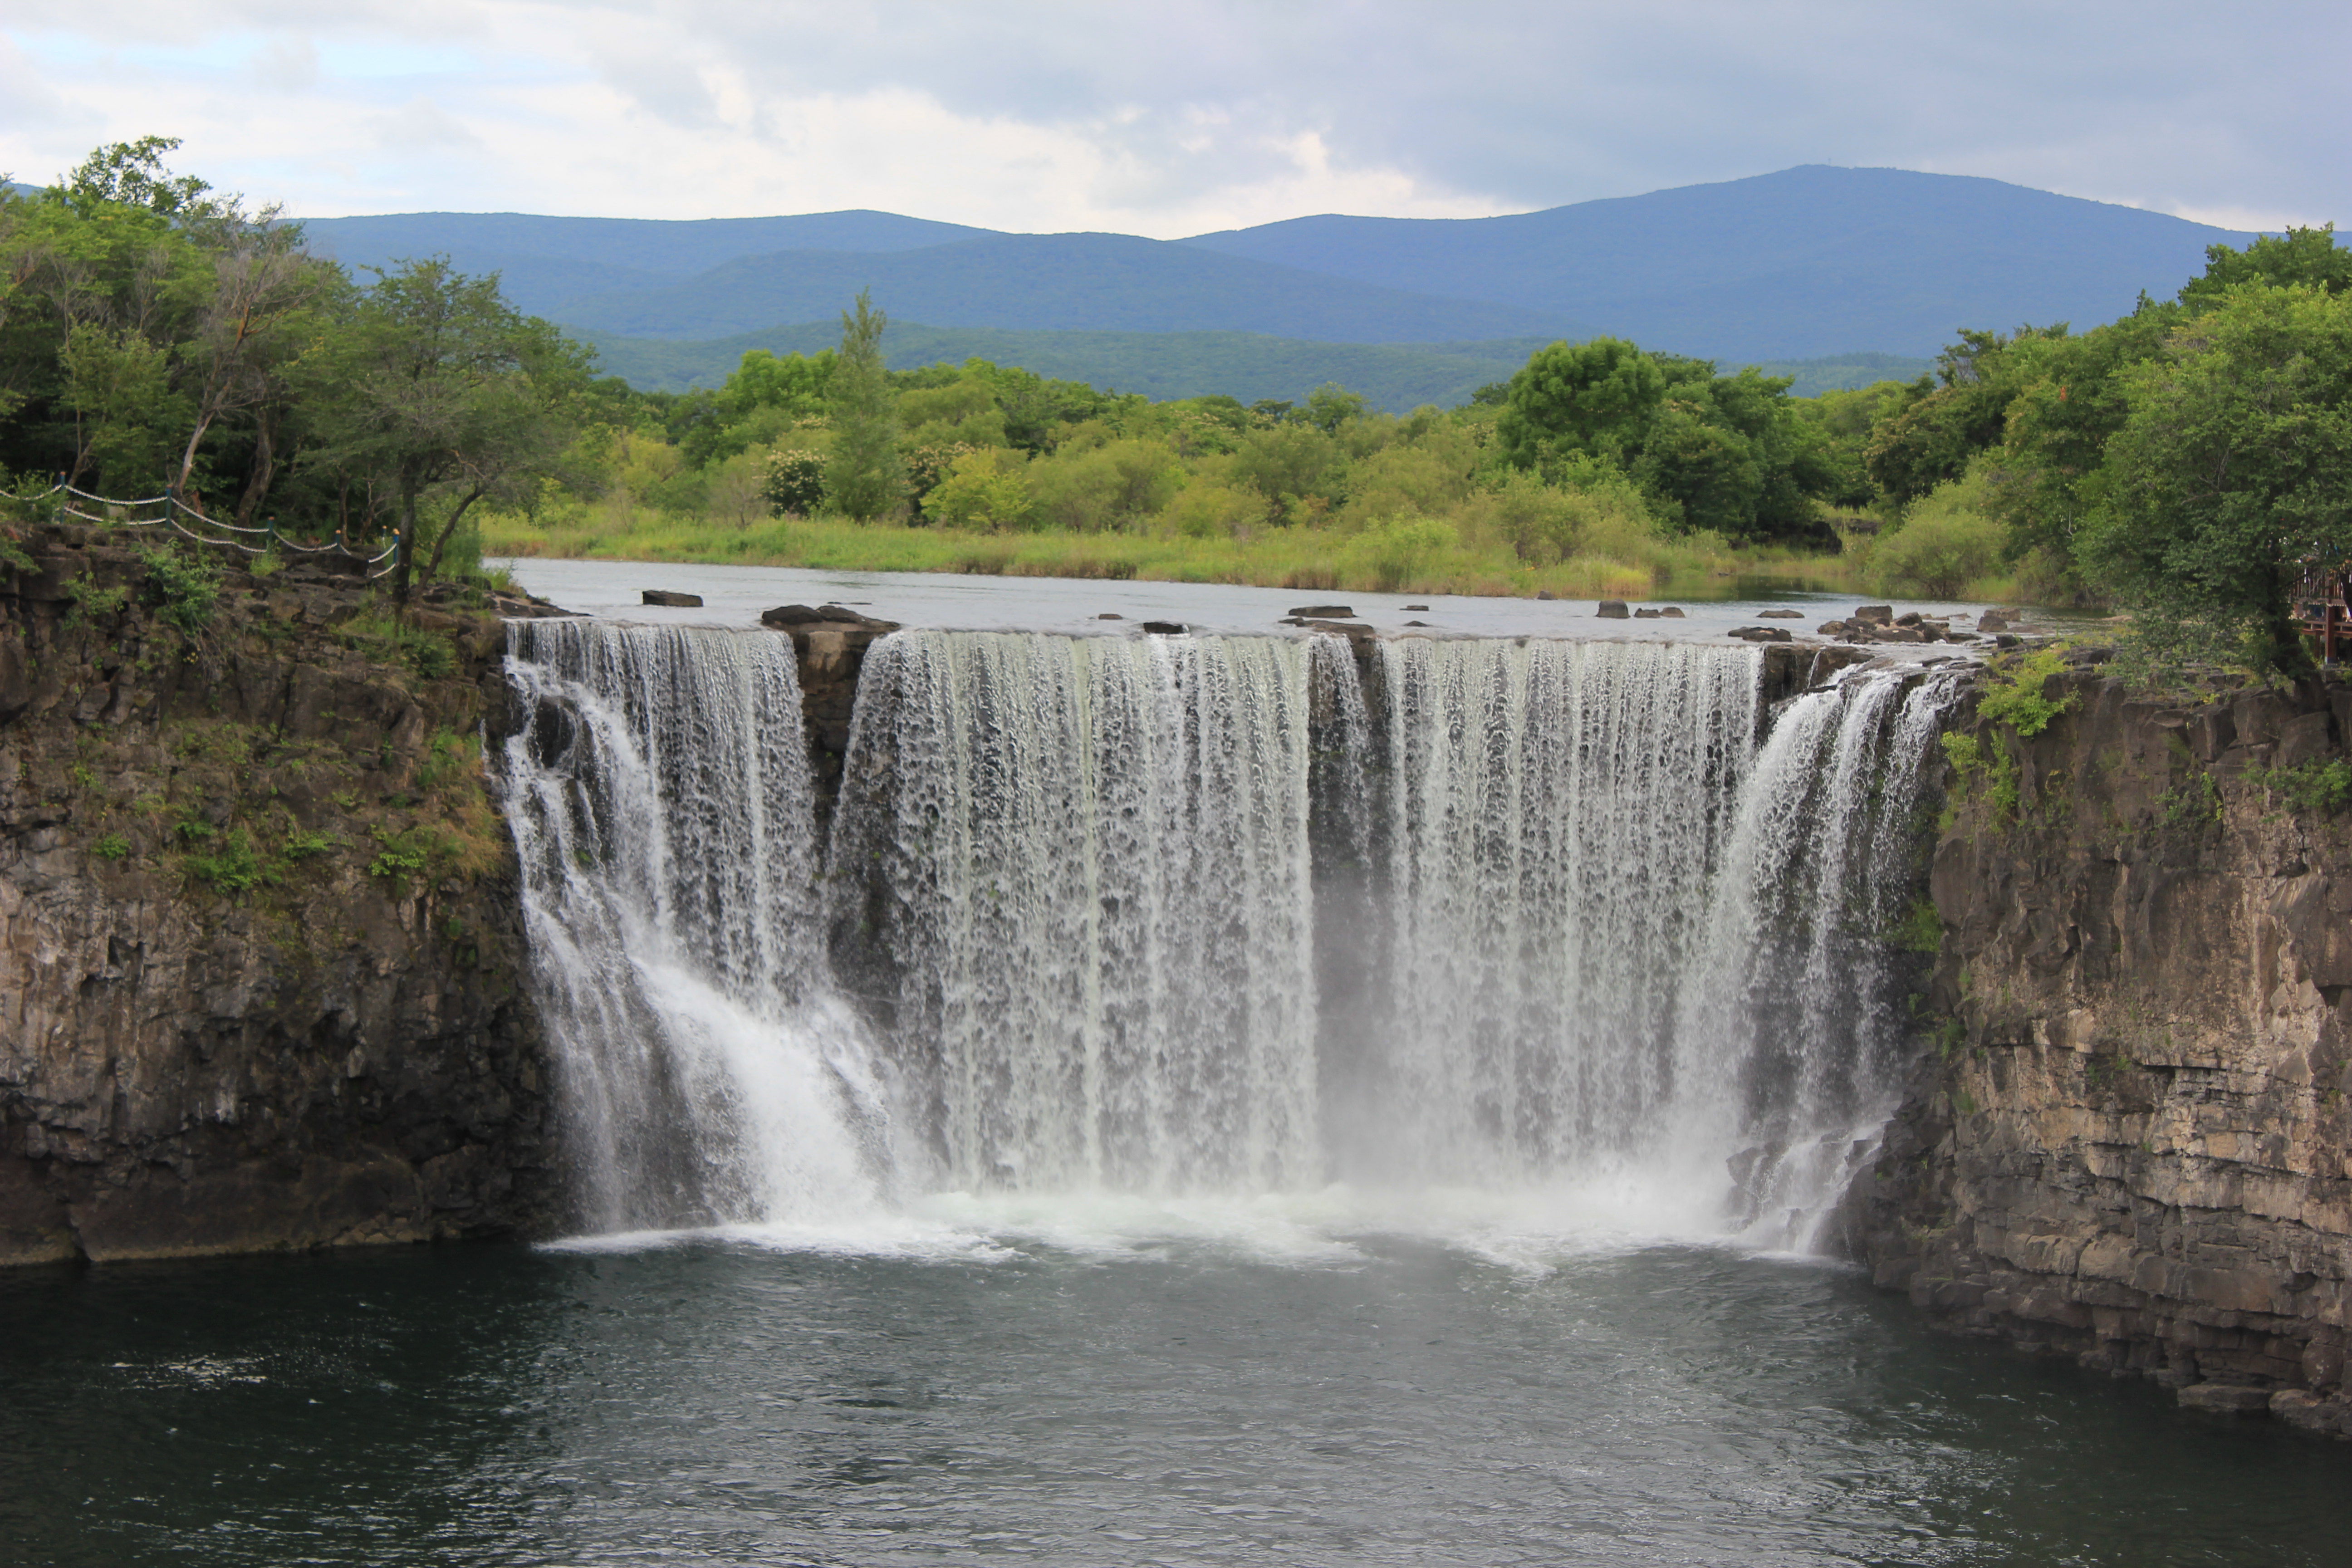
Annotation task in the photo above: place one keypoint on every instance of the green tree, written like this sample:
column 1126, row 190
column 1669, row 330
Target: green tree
column 863, row 476
column 2234, row 466
column 433, row 393
column 2308, row 256
column 1597, row 397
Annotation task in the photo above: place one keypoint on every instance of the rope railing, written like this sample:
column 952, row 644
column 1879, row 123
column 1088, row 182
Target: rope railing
column 167, row 511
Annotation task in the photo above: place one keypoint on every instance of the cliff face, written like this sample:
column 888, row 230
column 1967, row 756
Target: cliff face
column 261, row 969
column 2131, row 1143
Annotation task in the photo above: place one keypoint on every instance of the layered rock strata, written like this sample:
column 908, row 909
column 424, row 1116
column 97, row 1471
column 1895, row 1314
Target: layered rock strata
column 2131, row 1142
column 260, row 959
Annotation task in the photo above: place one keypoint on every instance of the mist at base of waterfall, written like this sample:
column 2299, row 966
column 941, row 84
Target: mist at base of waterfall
column 1095, row 1386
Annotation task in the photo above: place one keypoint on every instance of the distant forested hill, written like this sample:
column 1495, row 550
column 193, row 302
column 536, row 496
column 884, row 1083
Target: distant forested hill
column 1054, row 282
column 1247, row 365
column 1802, row 263
column 548, row 260
column 1799, row 266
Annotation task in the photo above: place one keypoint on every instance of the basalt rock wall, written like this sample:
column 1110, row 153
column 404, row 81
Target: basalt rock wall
column 261, row 972
column 2130, row 1144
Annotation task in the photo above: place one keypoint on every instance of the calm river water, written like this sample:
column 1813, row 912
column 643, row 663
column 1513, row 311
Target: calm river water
column 1278, row 1394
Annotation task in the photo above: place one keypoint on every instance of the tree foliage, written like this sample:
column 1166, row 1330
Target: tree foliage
column 864, row 477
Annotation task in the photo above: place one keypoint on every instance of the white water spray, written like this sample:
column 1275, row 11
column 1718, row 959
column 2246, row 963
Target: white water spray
column 1188, row 916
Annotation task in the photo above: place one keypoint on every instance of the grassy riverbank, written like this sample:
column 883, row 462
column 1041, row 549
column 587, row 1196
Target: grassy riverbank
column 1314, row 559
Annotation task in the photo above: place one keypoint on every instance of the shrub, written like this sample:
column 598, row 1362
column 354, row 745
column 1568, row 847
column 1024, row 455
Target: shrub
column 2017, row 698
column 235, row 868
column 184, row 585
column 795, row 480
column 1206, row 509
column 110, row 846
column 984, row 488
column 388, row 639
column 1398, row 549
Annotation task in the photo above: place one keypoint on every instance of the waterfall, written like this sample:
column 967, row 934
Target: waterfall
column 1788, row 1032
column 1201, row 914
column 1549, row 819
column 1079, row 869
column 658, row 793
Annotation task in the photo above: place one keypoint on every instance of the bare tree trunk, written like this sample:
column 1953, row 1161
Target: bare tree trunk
column 265, row 469
column 432, row 565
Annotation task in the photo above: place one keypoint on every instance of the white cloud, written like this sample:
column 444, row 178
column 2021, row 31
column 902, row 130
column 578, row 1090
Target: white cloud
column 1180, row 117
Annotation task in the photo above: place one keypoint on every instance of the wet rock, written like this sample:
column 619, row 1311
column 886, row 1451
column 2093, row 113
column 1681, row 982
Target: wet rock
column 1324, row 612
column 1780, row 615
column 1647, row 614
column 1546, row 593
column 1410, row 608
column 1670, row 612
column 1416, row 622
column 673, row 600
column 1165, row 628
column 1762, row 634
column 1613, row 610
column 791, row 616
column 1831, row 628
column 1992, row 621
column 2225, row 1398
column 1877, row 615
column 1111, row 615
column 2131, row 1142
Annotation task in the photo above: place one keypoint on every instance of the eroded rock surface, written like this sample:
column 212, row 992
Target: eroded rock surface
column 2131, row 1144
column 260, row 961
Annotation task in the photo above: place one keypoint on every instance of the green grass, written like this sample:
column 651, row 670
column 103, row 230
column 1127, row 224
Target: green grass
column 1305, row 558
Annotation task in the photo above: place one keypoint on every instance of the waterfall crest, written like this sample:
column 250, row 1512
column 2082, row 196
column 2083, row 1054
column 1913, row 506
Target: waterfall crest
column 1210, row 915
column 658, row 793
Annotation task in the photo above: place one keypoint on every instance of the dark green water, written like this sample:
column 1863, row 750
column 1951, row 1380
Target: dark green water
column 1390, row 1401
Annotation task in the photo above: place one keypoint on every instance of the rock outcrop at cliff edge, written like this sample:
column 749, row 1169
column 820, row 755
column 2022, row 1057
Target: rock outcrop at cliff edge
column 2131, row 1142
column 260, row 965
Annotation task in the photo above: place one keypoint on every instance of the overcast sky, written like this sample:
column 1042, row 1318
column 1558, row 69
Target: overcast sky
column 1178, row 116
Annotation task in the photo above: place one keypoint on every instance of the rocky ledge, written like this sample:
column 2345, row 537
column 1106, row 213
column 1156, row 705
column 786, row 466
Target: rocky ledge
column 261, row 970
column 2130, row 1145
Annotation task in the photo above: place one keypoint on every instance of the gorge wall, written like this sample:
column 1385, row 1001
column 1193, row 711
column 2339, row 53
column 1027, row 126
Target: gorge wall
column 2130, row 1140
column 260, row 963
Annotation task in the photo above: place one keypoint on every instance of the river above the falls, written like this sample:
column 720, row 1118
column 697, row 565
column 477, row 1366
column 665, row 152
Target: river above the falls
column 1090, row 1382
column 734, row 597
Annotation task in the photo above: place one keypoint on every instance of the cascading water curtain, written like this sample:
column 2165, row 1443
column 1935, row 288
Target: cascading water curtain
column 1550, row 817
column 1075, row 874
column 1788, row 1032
column 658, row 791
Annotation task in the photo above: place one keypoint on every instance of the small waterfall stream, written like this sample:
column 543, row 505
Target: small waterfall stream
column 1209, row 915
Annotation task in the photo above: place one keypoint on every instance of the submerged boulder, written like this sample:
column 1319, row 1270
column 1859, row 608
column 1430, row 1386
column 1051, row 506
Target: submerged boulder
column 673, row 600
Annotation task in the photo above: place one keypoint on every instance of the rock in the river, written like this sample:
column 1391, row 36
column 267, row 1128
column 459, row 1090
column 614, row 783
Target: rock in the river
column 1411, row 607
column 1165, row 628
column 1670, row 612
column 1323, row 612
column 1877, row 615
column 1992, row 621
column 1613, row 610
column 1762, row 634
column 1780, row 615
column 1111, row 615
column 788, row 617
column 673, row 600
column 2225, row 1398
